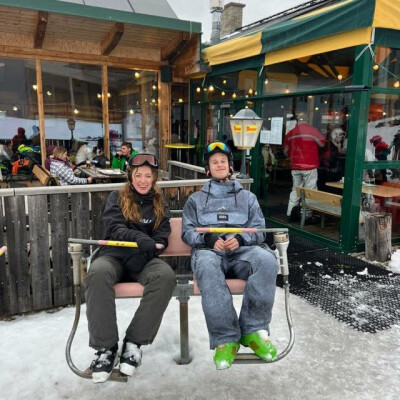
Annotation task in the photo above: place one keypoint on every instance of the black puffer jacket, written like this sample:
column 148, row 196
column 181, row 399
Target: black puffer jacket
column 116, row 227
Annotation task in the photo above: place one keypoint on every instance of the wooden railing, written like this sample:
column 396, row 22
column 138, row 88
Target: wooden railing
column 35, row 224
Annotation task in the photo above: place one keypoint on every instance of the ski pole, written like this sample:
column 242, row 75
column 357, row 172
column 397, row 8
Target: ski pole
column 239, row 230
column 3, row 250
column 109, row 243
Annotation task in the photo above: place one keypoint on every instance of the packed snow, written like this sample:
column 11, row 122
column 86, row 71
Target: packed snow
column 329, row 360
column 394, row 264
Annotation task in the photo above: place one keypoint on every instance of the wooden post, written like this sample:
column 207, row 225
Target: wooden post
column 106, row 122
column 41, row 111
column 378, row 235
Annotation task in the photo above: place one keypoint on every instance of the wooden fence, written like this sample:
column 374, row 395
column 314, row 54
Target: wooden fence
column 35, row 224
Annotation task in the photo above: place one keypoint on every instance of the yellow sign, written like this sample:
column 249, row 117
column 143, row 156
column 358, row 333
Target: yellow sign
column 237, row 128
column 251, row 129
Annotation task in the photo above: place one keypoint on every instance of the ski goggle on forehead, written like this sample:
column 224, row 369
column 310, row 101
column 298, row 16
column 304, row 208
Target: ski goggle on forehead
column 219, row 145
column 143, row 159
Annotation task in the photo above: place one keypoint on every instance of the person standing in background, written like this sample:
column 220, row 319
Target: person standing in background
column 302, row 146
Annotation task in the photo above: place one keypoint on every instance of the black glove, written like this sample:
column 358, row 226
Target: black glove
column 240, row 239
column 147, row 245
column 210, row 239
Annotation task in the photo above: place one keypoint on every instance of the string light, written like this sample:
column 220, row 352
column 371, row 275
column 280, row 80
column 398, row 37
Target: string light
column 250, row 91
column 180, row 100
column 211, row 88
column 76, row 111
column 396, row 84
column 375, row 67
column 224, row 81
column 49, row 93
column 222, row 93
column 15, row 108
column 198, row 90
column 287, row 91
column 234, row 95
column 154, row 87
column 34, row 87
column 131, row 111
column 340, row 77
column 137, row 75
column 98, row 95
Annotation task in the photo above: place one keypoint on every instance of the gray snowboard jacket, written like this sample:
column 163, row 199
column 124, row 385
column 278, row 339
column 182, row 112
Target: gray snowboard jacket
column 224, row 204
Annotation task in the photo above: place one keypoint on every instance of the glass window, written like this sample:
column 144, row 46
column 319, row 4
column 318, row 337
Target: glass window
column 133, row 108
column 386, row 69
column 383, row 136
column 72, row 91
column 314, row 132
column 381, row 196
column 326, row 70
column 19, row 119
column 233, row 85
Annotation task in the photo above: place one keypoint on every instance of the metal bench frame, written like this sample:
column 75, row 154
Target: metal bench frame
column 183, row 291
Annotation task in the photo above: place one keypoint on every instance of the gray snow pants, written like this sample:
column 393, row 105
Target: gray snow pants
column 259, row 267
column 159, row 282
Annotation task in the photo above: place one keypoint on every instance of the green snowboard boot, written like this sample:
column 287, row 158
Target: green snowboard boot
column 260, row 344
column 225, row 354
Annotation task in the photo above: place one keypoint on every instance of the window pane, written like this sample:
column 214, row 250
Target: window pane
column 386, row 70
column 326, row 70
column 383, row 138
column 303, row 120
column 72, row 91
column 233, row 85
column 383, row 196
column 133, row 108
column 18, row 101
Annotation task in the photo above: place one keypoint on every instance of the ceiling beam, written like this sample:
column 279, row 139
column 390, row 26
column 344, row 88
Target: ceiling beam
column 41, row 27
column 110, row 42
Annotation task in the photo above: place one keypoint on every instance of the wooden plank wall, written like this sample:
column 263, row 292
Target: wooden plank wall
column 36, row 273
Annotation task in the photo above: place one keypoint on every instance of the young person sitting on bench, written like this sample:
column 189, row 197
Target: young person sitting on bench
column 223, row 202
column 135, row 214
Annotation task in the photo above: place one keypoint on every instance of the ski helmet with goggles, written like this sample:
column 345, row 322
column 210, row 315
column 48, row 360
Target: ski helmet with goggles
column 137, row 160
column 217, row 147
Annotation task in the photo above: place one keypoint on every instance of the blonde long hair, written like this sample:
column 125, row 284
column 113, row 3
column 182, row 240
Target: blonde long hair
column 129, row 204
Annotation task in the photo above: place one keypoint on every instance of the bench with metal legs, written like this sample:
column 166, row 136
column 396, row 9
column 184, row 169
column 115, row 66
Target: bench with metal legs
column 183, row 291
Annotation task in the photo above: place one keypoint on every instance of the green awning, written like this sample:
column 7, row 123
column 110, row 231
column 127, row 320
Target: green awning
column 344, row 24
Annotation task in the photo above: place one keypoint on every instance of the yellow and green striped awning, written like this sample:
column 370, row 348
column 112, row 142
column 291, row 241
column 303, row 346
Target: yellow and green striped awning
column 344, row 24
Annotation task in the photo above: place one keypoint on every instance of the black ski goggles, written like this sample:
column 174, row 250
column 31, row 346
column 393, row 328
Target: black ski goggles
column 140, row 159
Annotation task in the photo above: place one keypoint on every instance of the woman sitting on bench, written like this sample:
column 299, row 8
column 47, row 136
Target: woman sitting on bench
column 135, row 214
column 224, row 203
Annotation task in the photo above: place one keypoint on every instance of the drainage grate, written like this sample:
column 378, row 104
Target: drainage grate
column 362, row 295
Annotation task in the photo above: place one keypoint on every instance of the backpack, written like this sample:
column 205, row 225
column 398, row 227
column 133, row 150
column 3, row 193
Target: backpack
column 22, row 167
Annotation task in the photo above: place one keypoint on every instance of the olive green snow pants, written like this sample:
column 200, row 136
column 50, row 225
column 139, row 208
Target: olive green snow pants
column 159, row 282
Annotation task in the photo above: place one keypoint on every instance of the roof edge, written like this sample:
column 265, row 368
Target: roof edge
column 105, row 14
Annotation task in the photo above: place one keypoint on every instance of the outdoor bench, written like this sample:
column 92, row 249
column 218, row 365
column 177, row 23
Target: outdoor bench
column 184, row 289
column 322, row 202
column 44, row 176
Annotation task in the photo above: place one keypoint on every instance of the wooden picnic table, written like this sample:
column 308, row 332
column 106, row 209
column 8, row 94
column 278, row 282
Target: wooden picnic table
column 368, row 188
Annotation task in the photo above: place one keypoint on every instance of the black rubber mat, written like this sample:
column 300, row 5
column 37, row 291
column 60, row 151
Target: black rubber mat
column 362, row 295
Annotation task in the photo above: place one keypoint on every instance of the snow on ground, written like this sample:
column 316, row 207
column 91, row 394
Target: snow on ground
column 394, row 263
column 329, row 360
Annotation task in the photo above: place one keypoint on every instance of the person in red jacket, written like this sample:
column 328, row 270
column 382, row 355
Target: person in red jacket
column 302, row 146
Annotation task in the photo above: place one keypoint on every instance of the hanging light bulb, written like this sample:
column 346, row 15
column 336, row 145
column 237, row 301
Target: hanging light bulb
column 211, row 88
column 154, row 87
column 49, row 93
column 375, row 67
column 76, row 111
column 34, row 87
column 131, row 111
column 224, row 81
column 266, row 81
column 108, row 95
column 198, row 90
column 396, row 84
column 316, row 108
column 137, row 75
column 153, row 100
column 287, row 91
column 234, row 96
column 180, row 100
column 250, row 91
column 98, row 95
column 15, row 108
column 222, row 93
column 340, row 77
